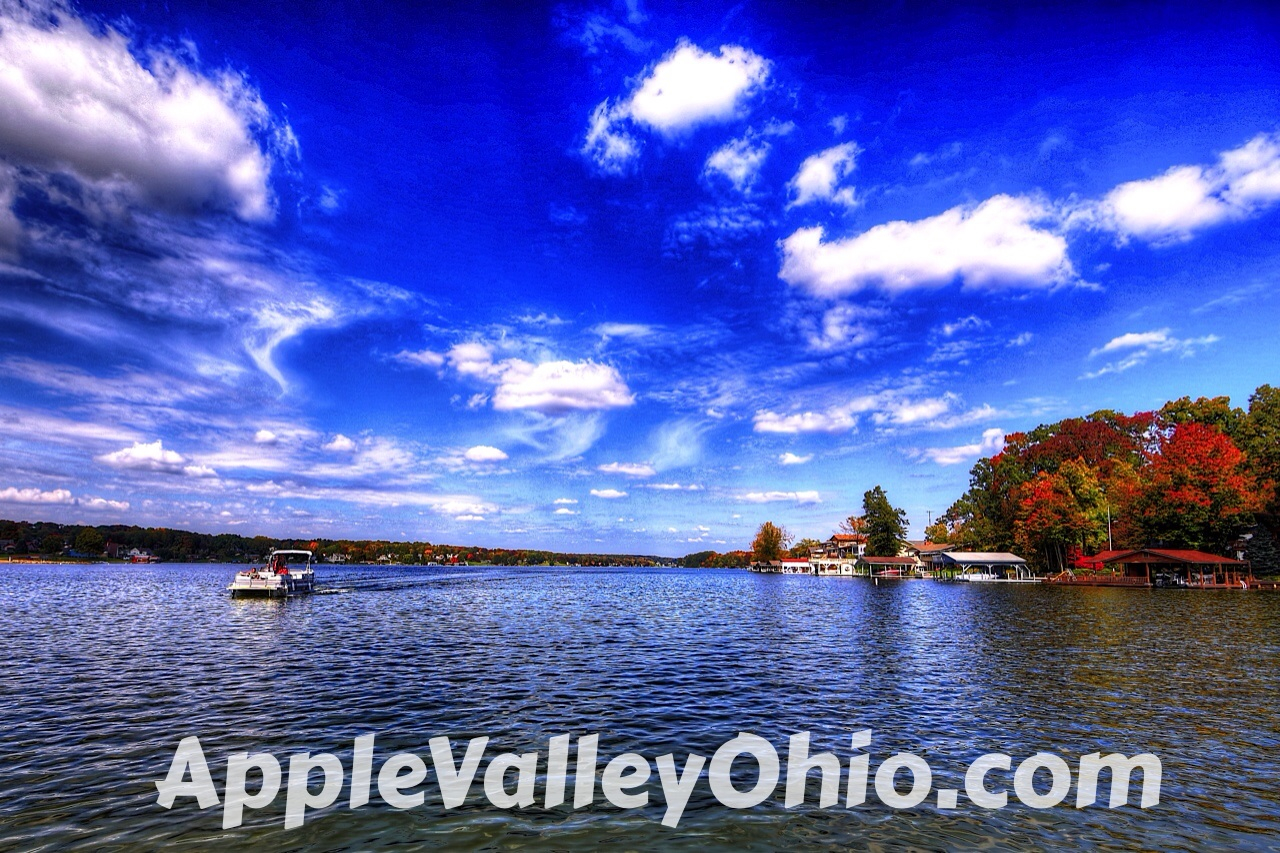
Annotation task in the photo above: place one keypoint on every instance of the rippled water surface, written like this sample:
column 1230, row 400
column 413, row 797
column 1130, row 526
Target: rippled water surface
column 106, row 668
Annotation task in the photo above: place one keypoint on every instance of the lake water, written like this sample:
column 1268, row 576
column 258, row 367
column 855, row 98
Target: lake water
column 106, row 668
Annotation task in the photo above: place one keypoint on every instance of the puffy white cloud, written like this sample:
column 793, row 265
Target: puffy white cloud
column 809, row 497
column 551, row 387
column 35, row 496
column 78, row 98
column 998, row 243
column 992, row 443
column 820, row 175
column 340, row 444
column 62, row 497
column 790, row 458
column 738, row 161
column 609, row 494
column 831, row 421
column 691, row 86
column 485, row 453
column 1185, row 199
column 265, row 436
column 687, row 87
column 468, row 518
column 674, row 487
column 556, row 387
column 153, row 456
column 565, row 511
column 102, row 504
column 565, row 501
column 629, row 469
column 1134, row 348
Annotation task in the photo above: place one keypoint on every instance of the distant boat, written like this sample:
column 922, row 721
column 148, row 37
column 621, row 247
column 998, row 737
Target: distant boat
column 278, row 578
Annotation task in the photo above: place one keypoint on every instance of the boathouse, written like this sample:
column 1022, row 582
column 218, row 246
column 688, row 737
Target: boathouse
column 927, row 554
column 984, row 565
column 838, row 554
column 1146, row 567
column 886, row 567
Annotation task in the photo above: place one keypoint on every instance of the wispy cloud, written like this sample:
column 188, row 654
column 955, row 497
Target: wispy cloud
column 1135, row 348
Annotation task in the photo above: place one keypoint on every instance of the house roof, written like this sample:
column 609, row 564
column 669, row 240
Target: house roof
column 888, row 561
column 986, row 558
column 1167, row 555
column 926, row 547
column 848, row 537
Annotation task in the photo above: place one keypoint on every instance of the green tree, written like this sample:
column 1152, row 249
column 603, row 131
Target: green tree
column 1260, row 440
column 90, row 541
column 771, row 540
column 886, row 525
column 51, row 544
column 804, row 546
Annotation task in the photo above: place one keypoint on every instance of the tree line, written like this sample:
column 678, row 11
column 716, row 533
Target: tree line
column 1193, row 474
column 1196, row 474
column 183, row 546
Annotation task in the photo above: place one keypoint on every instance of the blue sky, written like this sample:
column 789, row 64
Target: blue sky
column 626, row 277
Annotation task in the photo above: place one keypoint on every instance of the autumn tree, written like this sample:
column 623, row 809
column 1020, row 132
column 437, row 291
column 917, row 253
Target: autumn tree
column 937, row 533
column 804, row 546
column 886, row 525
column 1058, row 511
column 771, row 540
column 1197, row 491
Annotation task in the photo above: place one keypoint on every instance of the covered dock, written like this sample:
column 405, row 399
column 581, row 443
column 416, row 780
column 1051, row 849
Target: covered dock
column 1163, row 567
column 987, row 566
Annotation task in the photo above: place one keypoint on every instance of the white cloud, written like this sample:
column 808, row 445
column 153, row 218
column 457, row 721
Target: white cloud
column 340, row 444
column 886, row 409
column 831, row 421
column 78, row 99
column 10, row 230
column 622, row 330
column 629, row 469
column 468, row 517
column 809, row 497
column 1134, row 348
column 994, row 244
column 565, row 511
column 841, row 327
column 820, row 175
column 556, row 387
column 485, row 453
column 420, row 358
column 992, row 443
column 1021, row 340
column 153, row 457
column 566, row 501
column 608, row 493
column 102, row 503
column 790, row 458
column 35, row 496
column 686, row 88
column 1186, row 199
column 552, row 387
column 674, row 487
column 738, row 161
column 971, row 323
column 265, row 436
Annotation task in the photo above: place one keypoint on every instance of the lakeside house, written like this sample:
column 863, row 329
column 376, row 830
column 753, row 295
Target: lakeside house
column 1148, row 567
column 838, row 555
column 928, row 555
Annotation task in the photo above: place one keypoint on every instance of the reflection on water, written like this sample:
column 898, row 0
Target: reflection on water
column 106, row 668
